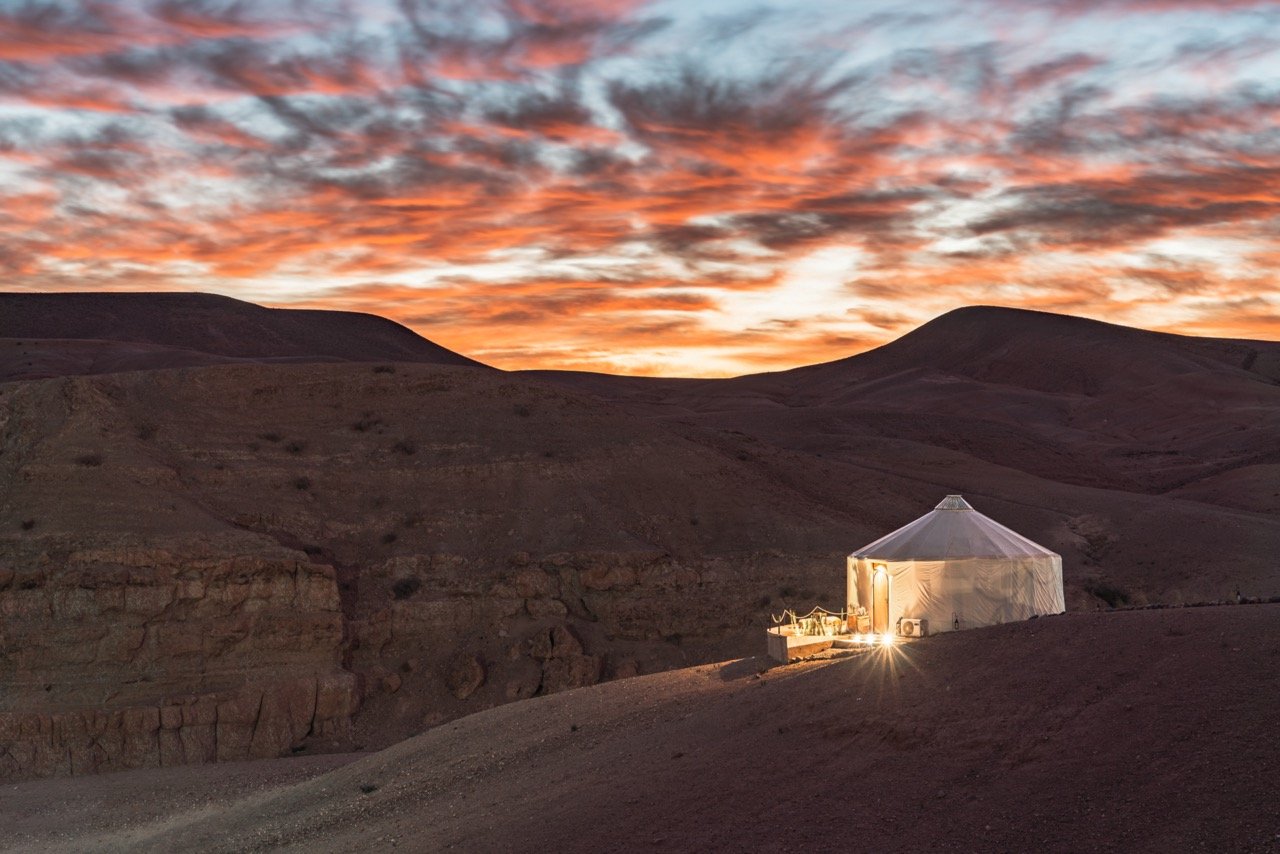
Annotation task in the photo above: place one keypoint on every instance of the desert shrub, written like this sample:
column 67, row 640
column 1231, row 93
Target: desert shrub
column 384, row 369
column 270, row 437
column 693, row 520
column 296, row 446
column 405, row 587
column 302, row 483
column 786, row 592
column 147, row 431
column 406, row 447
column 389, row 537
column 367, row 422
column 27, row 524
column 312, row 550
column 522, row 410
column 1107, row 592
column 89, row 460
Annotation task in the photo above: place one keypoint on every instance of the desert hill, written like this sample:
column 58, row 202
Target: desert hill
column 1136, row 731
column 1068, row 399
column 232, row 561
column 93, row 333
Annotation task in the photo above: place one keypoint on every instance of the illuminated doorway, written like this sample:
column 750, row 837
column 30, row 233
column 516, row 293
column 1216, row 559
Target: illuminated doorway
column 880, row 600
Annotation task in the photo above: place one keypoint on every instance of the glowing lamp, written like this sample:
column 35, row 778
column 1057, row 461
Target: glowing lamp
column 886, row 639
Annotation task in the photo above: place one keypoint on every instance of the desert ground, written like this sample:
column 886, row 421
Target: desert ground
column 1145, row 730
column 231, row 533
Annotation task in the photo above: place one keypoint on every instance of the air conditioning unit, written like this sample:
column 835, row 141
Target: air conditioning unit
column 913, row 628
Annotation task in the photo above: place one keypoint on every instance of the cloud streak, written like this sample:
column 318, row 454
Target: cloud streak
column 650, row 186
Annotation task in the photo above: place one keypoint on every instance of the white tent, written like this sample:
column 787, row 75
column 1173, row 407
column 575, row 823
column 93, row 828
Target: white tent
column 957, row 569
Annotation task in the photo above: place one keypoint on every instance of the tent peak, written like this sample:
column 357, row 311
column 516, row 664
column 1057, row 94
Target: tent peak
column 954, row 502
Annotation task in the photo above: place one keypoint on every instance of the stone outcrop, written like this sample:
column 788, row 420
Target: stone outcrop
column 252, row 722
column 125, row 656
column 464, row 675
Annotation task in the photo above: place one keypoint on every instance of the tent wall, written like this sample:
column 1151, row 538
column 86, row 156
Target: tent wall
column 975, row 591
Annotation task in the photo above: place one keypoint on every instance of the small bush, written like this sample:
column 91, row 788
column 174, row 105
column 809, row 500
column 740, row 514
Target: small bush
column 28, row 524
column 405, row 587
column 89, row 460
column 522, row 410
column 147, row 431
column 367, row 422
column 1109, row 593
column 297, row 446
column 302, row 483
column 389, row 537
column 270, row 437
column 384, row 369
column 406, row 447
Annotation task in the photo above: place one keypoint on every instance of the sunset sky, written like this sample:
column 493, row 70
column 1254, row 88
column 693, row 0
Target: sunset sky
column 696, row 187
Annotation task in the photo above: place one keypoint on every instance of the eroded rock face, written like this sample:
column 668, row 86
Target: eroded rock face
column 124, row 656
column 251, row 722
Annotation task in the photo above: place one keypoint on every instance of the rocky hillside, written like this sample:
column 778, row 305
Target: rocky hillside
column 245, row 560
column 229, row 562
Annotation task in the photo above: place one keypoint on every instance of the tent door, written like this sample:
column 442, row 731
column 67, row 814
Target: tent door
column 880, row 601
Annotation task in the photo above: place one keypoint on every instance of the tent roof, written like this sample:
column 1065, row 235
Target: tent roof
column 953, row 530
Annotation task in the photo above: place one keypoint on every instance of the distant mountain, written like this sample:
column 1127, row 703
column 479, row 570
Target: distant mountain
column 1049, row 352
column 92, row 333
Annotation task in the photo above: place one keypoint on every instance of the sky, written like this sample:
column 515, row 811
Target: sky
column 674, row 187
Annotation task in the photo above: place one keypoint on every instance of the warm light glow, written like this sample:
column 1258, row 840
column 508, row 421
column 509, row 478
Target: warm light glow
column 886, row 639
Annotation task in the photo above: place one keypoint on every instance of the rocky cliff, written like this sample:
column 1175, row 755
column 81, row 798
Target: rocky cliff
column 228, row 563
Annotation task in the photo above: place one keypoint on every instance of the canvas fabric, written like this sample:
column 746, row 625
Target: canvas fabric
column 956, row 566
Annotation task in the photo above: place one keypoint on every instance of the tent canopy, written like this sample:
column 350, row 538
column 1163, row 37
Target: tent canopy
column 951, row 531
column 955, row 568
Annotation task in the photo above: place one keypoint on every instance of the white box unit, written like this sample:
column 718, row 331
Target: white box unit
column 913, row 628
